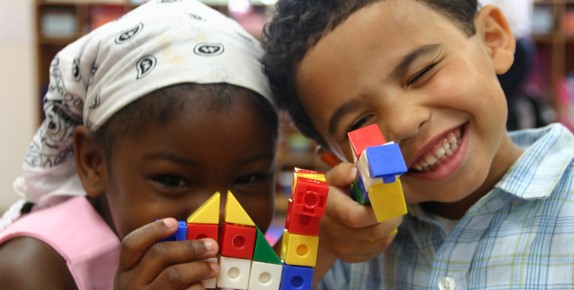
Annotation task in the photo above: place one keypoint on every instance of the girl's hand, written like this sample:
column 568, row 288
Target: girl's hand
column 148, row 263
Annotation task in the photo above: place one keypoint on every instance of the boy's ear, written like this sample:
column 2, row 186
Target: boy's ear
column 90, row 161
column 492, row 27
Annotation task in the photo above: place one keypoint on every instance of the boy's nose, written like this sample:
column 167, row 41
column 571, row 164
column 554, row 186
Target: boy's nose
column 403, row 124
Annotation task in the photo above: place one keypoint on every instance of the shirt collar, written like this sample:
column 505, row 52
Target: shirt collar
column 547, row 153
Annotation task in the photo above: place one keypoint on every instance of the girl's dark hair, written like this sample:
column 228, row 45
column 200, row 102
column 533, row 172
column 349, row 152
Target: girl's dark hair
column 161, row 106
column 298, row 25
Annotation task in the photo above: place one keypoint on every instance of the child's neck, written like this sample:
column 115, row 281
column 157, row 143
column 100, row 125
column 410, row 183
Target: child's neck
column 505, row 157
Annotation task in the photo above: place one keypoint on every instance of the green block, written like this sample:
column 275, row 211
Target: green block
column 263, row 251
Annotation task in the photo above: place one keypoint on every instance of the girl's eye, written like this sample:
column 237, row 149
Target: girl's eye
column 248, row 179
column 171, row 181
column 420, row 74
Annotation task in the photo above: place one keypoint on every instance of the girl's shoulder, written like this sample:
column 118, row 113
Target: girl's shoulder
column 28, row 263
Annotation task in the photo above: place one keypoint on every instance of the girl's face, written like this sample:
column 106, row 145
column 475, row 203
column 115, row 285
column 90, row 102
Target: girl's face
column 170, row 170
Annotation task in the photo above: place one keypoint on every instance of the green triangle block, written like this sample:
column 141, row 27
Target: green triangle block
column 263, row 251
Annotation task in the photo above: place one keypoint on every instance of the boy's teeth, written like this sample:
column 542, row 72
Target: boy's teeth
column 445, row 148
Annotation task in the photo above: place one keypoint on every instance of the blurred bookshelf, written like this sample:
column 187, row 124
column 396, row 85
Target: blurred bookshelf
column 553, row 76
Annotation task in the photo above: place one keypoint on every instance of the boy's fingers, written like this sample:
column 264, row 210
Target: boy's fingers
column 343, row 209
column 135, row 244
column 341, row 175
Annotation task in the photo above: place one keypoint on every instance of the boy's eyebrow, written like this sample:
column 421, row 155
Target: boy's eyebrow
column 412, row 56
column 406, row 61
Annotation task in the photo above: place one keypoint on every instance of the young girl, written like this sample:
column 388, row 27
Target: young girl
column 158, row 110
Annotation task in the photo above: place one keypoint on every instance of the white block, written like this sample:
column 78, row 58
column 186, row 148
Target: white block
column 233, row 273
column 265, row 276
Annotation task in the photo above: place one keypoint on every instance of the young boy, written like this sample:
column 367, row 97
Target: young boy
column 487, row 209
column 146, row 118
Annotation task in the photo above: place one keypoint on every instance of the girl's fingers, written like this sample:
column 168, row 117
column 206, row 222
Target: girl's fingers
column 185, row 276
column 136, row 244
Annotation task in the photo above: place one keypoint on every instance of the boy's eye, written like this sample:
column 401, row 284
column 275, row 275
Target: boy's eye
column 171, row 181
column 419, row 75
column 359, row 123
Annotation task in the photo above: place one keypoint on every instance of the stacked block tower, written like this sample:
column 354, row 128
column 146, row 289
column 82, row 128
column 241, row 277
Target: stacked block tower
column 246, row 259
column 379, row 166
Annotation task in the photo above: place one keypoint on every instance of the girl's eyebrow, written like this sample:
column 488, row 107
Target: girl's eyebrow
column 409, row 58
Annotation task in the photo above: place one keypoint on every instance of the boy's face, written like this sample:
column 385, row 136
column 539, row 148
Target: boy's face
column 429, row 87
column 171, row 170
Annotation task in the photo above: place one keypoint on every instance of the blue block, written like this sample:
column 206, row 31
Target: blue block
column 296, row 278
column 386, row 162
column 180, row 234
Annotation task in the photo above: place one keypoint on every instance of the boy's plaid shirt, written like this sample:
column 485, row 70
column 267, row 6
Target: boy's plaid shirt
column 519, row 236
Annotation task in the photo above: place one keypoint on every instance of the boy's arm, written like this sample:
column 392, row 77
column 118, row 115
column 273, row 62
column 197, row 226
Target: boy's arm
column 349, row 231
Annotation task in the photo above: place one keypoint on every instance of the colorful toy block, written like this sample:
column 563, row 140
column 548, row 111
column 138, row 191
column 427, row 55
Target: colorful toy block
column 310, row 174
column 207, row 213
column 300, row 223
column 265, row 276
column 387, row 200
column 309, row 196
column 386, row 161
column 296, row 278
column 263, row 251
column 233, row 273
column 379, row 166
column 299, row 250
column 234, row 212
column 238, row 241
column 364, row 137
column 201, row 231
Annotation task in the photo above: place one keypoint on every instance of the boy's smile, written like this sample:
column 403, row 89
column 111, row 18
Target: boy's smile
column 433, row 89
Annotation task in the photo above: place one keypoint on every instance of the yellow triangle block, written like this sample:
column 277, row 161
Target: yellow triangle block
column 207, row 213
column 234, row 212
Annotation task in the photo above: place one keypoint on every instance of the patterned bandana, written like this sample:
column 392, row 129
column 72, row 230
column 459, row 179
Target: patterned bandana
column 160, row 43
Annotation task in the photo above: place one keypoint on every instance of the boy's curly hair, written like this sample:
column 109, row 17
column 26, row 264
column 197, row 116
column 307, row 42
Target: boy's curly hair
column 298, row 25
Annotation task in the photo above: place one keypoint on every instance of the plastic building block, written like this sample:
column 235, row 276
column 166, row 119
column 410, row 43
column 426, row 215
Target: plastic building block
column 234, row 212
column 265, row 276
column 297, row 278
column 386, row 161
column 210, row 283
column 359, row 192
column 299, row 250
column 233, row 273
column 200, row 231
column 310, row 174
column 263, row 251
column 309, row 197
column 207, row 213
column 364, row 137
column 301, row 224
column 237, row 241
column 387, row 200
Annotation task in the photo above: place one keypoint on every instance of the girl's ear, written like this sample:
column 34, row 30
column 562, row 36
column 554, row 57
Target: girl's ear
column 493, row 29
column 90, row 161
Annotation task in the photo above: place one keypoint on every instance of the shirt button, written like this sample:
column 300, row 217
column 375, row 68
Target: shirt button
column 446, row 283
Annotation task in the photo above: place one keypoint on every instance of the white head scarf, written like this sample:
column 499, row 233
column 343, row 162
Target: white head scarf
column 160, row 43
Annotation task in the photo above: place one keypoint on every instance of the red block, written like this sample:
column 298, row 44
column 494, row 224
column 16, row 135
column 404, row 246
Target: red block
column 237, row 241
column 365, row 137
column 201, row 231
column 301, row 224
column 310, row 197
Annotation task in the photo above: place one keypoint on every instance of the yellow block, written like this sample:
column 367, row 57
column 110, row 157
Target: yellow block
column 299, row 250
column 208, row 213
column 234, row 212
column 387, row 200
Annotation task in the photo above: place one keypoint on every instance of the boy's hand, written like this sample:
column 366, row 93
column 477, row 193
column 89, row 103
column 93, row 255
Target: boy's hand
column 147, row 263
column 350, row 231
